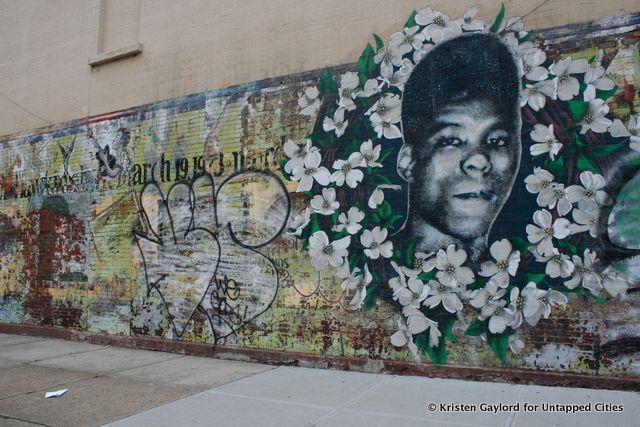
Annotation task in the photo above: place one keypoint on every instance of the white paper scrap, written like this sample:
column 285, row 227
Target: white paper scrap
column 56, row 393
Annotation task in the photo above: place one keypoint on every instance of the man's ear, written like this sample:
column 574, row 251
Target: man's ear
column 406, row 162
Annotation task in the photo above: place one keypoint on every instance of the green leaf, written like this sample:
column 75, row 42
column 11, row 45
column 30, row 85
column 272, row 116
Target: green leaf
column 519, row 244
column 425, row 277
column 556, row 167
column 567, row 245
column 499, row 343
column 593, row 58
column 314, row 223
column 598, row 151
column 437, row 354
column 535, row 278
column 588, row 294
column 353, row 259
column 366, row 64
column 584, row 164
column 408, row 252
column 379, row 179
column 606, row 94
column 411, row 22
column 384, row 210
column 578, row 109
column 375, row 218
column 370, row 298
column 328, row 85
column 284, row 173
column 526, row 37
column 498, row 21
column 446, row 326
column 390, row 222
column 321, row 138
column 384, row 154
column 379, row 42
column 476, row 328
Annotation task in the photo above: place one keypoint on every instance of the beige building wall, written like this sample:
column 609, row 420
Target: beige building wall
column 190, row 46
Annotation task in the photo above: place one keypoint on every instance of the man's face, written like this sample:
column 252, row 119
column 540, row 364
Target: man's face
column 464, row 168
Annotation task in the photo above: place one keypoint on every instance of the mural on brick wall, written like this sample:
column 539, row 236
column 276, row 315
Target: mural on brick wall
column 466, row 192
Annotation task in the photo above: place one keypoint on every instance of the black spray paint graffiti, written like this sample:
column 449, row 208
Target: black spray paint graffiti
column 201, row 247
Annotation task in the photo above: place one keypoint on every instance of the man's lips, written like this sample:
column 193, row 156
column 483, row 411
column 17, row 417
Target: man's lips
column 473, row 195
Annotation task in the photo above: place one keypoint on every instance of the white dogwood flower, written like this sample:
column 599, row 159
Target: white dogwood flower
column 558, row 265
column 422, row 52
column 377, row 195
column 299, row 222
column 595, row 119
column 308, row 102
column 446, row 295
column 371, row 87
column 350, row 221
column 408, row 39
column 541, row 183
column 375, row 244
column 324, row 252
column 407, row 67
column 468, row 23
column 545, row 229
column 438, row 25
column 387, row 104
column 613, row 282
column 536, row 95
column 632, row 131
column 396, row 79
column 450, row 265
column 409, row 292
column 296, row 154
column 325, row 204
column 526, row 304
column 594, row 79
column 337, row 124
column 387, row 57
column 547, row 142
column 417, row 323
column 530, row 65
column 586, row 221
column 370, row 154
column 557, row 196
column 348, row 90
column 583, row 271
column 422, row 263
column 347, row 170
column 358, row 282
column 385, row 125
column 404, row 337
column 310, row 171
column 506, row 263
column 499, row 316
column 567, row 85
column 481, row 297
column 589, row 196
column 516, row 345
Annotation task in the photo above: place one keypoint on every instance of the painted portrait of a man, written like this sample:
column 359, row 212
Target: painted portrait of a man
column 462, row 146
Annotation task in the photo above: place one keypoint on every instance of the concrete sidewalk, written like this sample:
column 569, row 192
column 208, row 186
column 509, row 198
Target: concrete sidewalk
column 142, row 388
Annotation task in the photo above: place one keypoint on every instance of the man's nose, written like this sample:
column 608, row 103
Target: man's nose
column 476, row 165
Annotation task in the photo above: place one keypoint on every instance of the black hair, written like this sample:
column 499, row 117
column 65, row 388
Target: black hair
column 471, row 66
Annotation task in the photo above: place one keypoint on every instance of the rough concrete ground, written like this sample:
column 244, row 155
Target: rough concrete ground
column 142, row 388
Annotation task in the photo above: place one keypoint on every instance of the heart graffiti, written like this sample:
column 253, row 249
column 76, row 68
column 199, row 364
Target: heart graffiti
column 201, row 247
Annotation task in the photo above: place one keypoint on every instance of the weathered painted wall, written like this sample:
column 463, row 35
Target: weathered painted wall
column 185, row 219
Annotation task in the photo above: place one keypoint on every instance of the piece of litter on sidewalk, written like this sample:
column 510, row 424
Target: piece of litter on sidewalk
column 56, row 393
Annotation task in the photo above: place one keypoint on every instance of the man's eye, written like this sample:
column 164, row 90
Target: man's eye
column 499, row 141
column 449, row 141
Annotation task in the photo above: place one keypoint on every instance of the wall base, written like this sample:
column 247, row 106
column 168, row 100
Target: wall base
column 274, row 357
